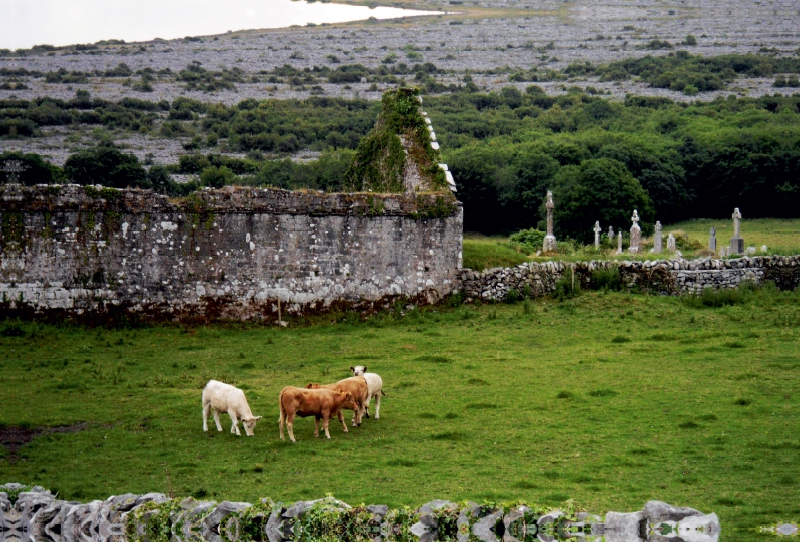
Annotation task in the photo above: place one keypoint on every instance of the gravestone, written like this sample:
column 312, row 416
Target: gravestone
column 619, row 243
column 597, row 234
column 764, row 249
column 611, row 233
column 549, row 244
column 658, row 239
column 712, row 240
column 671, row 244
column 737, row 243
column 636, row 234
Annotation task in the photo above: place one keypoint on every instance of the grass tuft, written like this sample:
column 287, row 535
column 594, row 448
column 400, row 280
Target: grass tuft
column 434, row 359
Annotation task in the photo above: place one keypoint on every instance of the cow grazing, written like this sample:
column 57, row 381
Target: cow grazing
column 356, row 385
column 220, row 397
column 374, row 388
column 319, row 403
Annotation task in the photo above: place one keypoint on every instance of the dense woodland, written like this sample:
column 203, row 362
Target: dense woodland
column 601, row 157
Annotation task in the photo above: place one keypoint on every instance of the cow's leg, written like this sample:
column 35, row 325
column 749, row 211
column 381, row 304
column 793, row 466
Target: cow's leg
column 341, row 419
column 325, row 421
column 206, row 412
column 280, row 423
column 234, row 422
column 216, row 419
column 366, row 406
column 290, row 427
column 316, row 426
column 378, row 405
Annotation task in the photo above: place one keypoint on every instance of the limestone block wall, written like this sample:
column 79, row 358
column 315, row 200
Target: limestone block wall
column 33, row 514
column 670, row 277
column 92, row 252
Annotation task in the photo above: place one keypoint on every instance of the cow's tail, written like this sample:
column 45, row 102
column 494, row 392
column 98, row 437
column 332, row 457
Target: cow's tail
column 382, row 393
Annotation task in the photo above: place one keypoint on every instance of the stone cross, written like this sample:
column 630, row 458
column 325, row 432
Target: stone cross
column 597, row 230
column 658, row 239
column 549, row 244
column 712, row 240
column 736, row 216
column 12, row 169
column 611, row 233
column 619, row 243
column 737, row 243
column 636, row 234
column 671, row 244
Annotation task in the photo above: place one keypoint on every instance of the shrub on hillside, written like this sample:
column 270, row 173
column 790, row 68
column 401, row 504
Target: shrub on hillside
column 528, row 241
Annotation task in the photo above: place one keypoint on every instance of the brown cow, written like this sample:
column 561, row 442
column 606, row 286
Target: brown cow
column 357, row 385
column 318, row 403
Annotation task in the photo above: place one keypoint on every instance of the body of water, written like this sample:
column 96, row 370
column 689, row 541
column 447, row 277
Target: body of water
column 25, row 23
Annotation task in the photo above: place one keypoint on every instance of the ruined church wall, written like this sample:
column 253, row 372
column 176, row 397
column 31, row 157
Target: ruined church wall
column 230, row 253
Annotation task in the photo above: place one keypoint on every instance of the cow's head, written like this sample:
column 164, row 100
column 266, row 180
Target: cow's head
column 313, row 386
column 249, row 424
column 349, row 400
column 359, row 370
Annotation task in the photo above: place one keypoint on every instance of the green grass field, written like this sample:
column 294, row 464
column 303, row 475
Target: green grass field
column 609, row 399
column 781, row 236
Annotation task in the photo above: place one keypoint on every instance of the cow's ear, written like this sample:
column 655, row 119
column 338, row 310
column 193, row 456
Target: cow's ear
column 257, row 418
column 365, row 368
column 309, row 386
column 352, row 369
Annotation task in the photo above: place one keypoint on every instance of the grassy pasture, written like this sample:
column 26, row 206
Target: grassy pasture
column 610, row 399
column 781, row 236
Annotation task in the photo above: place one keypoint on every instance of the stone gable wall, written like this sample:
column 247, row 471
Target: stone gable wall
column 669, row 277
column 92, row 253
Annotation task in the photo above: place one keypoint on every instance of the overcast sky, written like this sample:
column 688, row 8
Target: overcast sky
column 24, row 23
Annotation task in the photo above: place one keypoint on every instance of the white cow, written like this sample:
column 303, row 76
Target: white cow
column 374, row 388
column 221, row 397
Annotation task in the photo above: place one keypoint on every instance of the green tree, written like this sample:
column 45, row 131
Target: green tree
column 35, row 170
column 105, row 165
column 599, row 189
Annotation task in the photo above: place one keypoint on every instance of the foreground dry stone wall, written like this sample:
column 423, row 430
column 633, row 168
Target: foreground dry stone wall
column 234, row 253
column 35, row 515
column 669, row 277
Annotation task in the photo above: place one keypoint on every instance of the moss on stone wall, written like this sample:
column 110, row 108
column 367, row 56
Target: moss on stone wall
column 381, row 159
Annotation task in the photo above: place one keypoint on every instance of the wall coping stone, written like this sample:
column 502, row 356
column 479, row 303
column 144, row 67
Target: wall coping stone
column 73, row 197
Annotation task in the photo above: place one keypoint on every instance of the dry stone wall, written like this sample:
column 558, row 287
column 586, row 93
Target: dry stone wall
column 234, row 253
column 33, row 514
column 670, row 277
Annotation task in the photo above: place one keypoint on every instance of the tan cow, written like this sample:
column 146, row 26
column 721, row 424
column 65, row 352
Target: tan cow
column 319, row 403
column 357, row 385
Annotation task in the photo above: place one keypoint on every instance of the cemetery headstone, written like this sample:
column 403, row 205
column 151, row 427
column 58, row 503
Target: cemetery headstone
column 671, row 244
column 619, row 243
column 549, row 244
column 764, row 249
column 611, row 233
column 712, row 239
column 636, row 234
column 737, row 243
column 658, row 239
column 597, row 234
